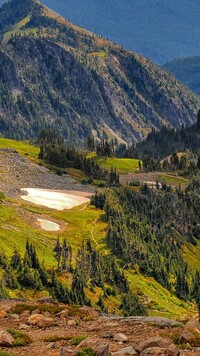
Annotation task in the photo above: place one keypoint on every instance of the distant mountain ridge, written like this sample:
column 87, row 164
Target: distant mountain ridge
column 159, row 30
column 58, row 75
column 187, row 70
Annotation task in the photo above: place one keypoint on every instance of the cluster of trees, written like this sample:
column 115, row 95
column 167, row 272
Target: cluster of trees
column 147, row 230
column 188, row 163
column 88, row 270
column 104, row 148
column 160, row 144
column 54, row 151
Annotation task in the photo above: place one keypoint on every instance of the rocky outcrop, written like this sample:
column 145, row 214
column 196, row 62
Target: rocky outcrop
column 101, row 348
column 162, row 322
column 40, row 320
column 158, row 343
column 5, row 338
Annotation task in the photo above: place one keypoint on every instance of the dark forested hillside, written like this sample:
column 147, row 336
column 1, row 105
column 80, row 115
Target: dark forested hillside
column 160, row 144
column 60, row 76
column 187, row 70
column 156, row 29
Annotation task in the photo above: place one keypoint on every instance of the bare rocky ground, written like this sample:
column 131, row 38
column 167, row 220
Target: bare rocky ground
column 17, row 172
column 106, row 334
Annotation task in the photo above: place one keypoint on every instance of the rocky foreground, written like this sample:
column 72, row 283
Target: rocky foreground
column 44, row 328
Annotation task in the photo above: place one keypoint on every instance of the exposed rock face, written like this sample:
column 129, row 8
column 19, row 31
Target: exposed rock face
column 5, row 338
column 78, row 82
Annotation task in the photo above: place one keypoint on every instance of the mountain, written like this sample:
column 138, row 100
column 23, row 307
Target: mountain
column 187, row 70
column 58, row 75
column 156, row 29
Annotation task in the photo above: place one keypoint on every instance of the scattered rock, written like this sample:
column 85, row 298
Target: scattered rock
column 40, row 320
column 47, row 314
column 157, row 351
column 14, row 317
column 5, row 338
column 192, row 325
column 46, row 300
column 107, row 335
column 152, row 342
column 36, row 311
column 64, row 313
column 67, row 351
column 23, row 327
column 125, row 352
column 71, row 323
column 3, row 314
column 90, row 311
column 120, row 337
column 186, row 336
column 101, row 348
column 52, row 345
column 25, row 314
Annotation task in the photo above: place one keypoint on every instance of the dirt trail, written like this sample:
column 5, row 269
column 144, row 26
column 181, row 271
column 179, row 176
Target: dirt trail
column 92, row 232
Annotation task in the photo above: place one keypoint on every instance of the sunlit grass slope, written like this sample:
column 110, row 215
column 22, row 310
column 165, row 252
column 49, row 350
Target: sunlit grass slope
column 22, row 147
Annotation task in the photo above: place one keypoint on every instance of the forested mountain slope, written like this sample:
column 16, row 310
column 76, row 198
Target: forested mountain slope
column 156, row 29
column 160, row 144
column 187, row 70
column 56, row 74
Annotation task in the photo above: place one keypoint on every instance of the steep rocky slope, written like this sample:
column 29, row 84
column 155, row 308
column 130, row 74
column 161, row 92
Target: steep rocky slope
column 56, row 74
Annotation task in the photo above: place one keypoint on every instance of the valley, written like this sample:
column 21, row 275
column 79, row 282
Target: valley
column 22, row 218
column 99, row 195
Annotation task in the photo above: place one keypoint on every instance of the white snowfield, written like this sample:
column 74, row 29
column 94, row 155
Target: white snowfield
column 56, row 199
column 48, row 225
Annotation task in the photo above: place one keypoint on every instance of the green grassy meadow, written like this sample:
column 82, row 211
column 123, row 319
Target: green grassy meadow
column 173, row 179
column 24, row 148
column 18, row 221
column 122, row 165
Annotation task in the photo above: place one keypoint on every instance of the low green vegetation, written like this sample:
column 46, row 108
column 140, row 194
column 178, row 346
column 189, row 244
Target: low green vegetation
column 76, row 340
column 172, row 179
column 122, row 165
column 21, row 339
column 22, row 147
column 55, row 338
column 86, row 351
column 5, row 353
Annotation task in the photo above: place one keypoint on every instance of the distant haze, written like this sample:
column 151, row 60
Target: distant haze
column 158, row 29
